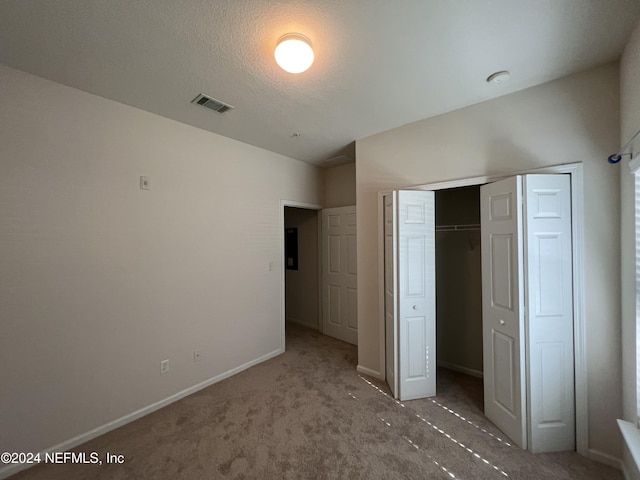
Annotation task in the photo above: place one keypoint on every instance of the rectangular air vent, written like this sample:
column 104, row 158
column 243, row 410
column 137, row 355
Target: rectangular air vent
column 212, row 103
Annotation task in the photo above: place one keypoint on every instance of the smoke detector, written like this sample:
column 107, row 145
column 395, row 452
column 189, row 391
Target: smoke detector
column 499, row 77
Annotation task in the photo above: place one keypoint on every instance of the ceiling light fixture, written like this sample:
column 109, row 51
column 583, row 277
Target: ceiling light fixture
column 294, row 53
column 499, row 77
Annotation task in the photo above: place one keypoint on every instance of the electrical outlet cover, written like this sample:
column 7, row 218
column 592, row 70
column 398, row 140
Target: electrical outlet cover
column 145, row 183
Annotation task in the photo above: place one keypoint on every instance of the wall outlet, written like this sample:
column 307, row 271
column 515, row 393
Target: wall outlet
column 197, row 356
column 164, row 366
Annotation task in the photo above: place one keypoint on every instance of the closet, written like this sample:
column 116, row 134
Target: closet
column 459, row 280
column 503, row 295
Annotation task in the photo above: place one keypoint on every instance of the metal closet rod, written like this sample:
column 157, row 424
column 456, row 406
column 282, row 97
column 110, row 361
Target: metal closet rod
column 616, row 157
column 457, row 228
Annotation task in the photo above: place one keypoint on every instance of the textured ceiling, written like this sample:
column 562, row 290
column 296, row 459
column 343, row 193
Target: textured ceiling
column 379, row 64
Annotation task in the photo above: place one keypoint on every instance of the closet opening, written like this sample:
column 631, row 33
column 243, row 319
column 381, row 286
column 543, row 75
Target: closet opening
column 532, row 267
column 458, row 262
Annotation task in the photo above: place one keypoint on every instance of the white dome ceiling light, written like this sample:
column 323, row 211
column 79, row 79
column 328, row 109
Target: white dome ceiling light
column 294, row 53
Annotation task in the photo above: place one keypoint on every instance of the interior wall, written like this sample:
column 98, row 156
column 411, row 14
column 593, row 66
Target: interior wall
column 629, row 125
column 100, row 280
column 459, row 281
column 302, row 284
column 574, row 119
column 340, row 186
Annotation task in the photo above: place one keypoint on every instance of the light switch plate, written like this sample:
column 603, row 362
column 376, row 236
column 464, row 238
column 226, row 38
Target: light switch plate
column 164, row 366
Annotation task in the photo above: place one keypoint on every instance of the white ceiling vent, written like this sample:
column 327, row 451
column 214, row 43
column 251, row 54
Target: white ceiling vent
column 212, row 103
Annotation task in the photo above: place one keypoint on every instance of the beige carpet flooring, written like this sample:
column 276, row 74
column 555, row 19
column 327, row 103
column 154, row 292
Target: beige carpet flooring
column 308, row 414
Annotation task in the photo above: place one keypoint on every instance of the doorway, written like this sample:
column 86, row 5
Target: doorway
column 301, row 270
column 318, row 269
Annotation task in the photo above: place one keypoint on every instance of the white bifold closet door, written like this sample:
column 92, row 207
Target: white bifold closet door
column 527, row 305
column 410, row 313
column 528, row 310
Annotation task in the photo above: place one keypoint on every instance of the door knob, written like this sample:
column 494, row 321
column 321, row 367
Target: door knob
column 501, row 322
column 415, row 307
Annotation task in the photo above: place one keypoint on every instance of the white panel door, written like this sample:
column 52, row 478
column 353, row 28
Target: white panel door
column 549, row 308
column 416, row 331
column 502, row 307
column 390, row 280
column 339, row 274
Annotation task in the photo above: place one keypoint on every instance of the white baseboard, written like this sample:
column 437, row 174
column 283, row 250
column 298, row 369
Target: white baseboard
column 302, row 323
column 371, row 373
column 605, row 458
column 66, row 445
column 458, row 368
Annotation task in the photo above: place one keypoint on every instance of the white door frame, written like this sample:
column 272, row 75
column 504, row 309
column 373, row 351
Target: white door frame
column 575, row 170
column 283, row 306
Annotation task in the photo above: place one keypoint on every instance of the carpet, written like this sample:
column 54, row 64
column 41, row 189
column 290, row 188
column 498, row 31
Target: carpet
column 307, row 414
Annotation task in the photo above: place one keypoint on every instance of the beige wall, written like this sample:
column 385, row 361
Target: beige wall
column 459, row 281
column 302, row 284
column 629, row 125
column 340, row 186
column 569, row 120
column 100, row 280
